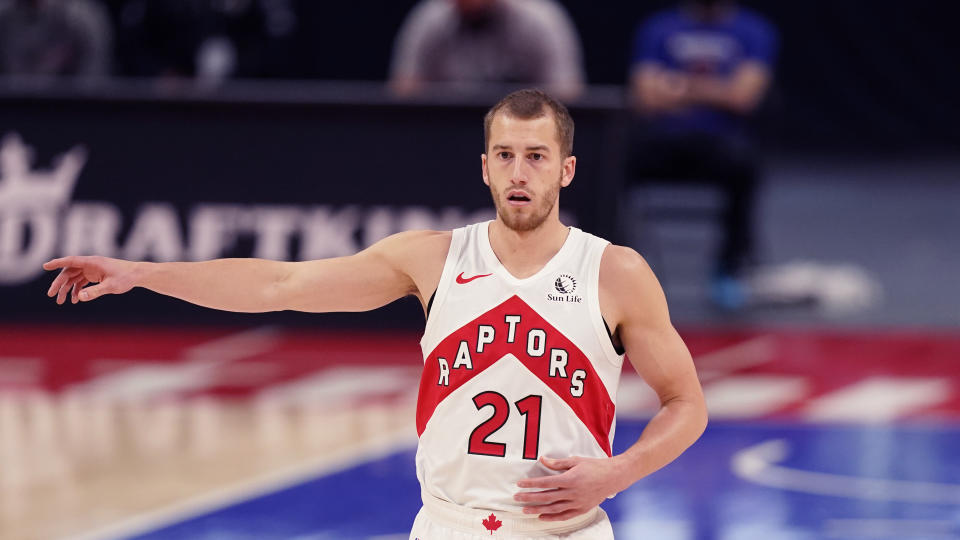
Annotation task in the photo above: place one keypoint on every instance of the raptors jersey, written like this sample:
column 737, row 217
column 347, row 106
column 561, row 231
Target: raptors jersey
column 514, row 369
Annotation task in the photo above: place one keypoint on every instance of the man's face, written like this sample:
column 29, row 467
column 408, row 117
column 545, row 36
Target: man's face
column 525, row 170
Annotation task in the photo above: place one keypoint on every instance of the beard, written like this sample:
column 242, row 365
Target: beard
column 526, row 218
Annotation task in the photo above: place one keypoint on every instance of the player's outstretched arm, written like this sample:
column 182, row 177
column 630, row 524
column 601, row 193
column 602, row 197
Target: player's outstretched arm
column 374, row 277
column 114, row 276
column 632, row 297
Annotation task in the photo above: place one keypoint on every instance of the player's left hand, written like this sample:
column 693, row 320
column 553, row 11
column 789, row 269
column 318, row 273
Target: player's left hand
column 583, row 484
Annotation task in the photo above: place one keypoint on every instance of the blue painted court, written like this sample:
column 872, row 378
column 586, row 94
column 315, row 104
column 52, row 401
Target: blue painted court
column 799, row 482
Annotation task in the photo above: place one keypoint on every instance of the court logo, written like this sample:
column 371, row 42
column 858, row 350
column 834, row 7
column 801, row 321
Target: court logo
column 566, row 285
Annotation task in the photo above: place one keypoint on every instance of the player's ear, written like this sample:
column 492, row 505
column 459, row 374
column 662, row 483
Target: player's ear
column 483, row 166
column 569, row 170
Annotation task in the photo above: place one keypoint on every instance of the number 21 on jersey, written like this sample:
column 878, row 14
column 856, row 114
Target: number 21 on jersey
column 529, row 407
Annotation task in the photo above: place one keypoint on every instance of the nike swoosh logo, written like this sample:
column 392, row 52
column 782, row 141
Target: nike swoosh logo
column 463, row 281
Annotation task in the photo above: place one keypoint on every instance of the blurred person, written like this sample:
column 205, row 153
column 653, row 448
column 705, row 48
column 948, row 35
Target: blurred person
column 488, row 291
column 55, row 38
column 207, row 41
column 465, row 43
column 698, row 73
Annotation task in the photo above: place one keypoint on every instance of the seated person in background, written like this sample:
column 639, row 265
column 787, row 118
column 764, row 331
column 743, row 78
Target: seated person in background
column 698, row 72
column 55, row 38
column 466, row 43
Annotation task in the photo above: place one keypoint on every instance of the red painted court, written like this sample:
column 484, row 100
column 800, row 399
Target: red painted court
column 824, row 376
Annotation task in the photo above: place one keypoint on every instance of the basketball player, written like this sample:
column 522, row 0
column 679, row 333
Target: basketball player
column 527, row 324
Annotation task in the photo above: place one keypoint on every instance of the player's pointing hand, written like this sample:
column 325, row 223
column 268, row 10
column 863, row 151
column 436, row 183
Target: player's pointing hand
column 583, row 484
column 112, row 276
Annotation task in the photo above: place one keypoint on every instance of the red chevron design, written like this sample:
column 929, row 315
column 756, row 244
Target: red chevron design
column 595, row 408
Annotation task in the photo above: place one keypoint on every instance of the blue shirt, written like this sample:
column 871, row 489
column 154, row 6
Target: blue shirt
column 675, row 40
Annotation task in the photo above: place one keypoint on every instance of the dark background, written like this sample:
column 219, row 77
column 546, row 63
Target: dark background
column 861, row 127
column 328, row 151
column 868, row 75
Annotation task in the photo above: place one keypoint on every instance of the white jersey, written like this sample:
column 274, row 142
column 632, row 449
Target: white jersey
column 514, row 369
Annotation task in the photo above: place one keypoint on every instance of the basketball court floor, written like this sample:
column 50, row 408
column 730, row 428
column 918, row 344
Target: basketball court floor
column 270, row 433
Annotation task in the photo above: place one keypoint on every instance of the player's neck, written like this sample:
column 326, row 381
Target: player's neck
column 524, row 253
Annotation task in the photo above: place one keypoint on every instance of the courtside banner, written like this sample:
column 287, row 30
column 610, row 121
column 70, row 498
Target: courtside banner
column 196, row 179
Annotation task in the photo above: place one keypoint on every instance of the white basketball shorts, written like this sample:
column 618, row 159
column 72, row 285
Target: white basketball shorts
column 441, row 520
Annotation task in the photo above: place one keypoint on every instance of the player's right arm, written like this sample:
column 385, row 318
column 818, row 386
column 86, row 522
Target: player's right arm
column 390, row 269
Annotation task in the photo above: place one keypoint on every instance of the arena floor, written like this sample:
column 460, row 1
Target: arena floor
column 270, row 433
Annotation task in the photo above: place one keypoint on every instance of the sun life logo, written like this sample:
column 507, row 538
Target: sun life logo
column 565, row 284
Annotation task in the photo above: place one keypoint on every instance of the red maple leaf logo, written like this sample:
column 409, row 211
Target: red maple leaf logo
column 492, row 523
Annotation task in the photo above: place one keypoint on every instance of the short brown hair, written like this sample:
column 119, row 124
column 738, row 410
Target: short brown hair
column 528, row 104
